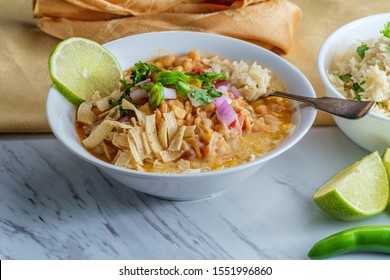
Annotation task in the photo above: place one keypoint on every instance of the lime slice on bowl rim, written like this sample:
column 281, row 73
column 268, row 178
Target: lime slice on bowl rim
column 359, row 191
column 78, row 67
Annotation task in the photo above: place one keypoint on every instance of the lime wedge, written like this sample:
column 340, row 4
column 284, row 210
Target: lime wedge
column 78, row 67
column 357, row 192
column 386, row 162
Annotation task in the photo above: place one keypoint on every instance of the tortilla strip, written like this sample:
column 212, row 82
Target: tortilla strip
column 120, row 140
column 177, row 141
column 148, row 150
column 194, row 143
column 103, row 104
column 171, row 124
column 122, row 159
column 112, row 114
column 108, row 150
column 241, row 23
column 163, row 134
column 190, row 130
column 95, row 97
column 98, row 135
column 116, row 95
column 133, row 150
column 130, row 106
column 168, row 156
column 85, row 114
column 136, row 135
column 151, row 135
column 123, row 7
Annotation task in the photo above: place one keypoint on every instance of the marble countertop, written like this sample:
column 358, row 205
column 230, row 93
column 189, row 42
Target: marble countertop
column 55, row 206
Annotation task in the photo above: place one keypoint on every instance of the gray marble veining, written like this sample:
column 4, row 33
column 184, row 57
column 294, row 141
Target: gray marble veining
column 55, row 206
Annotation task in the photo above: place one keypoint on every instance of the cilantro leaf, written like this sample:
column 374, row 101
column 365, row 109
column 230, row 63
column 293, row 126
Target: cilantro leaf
column 358, row 89
column 362, row 49
column 345, row 77
column 386, row 30
column 201, row 96
column 142, row 71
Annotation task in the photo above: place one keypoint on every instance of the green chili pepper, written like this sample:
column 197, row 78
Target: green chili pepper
column 183, row 87
column 156, row 95
column 166, row 78
column 374, row 239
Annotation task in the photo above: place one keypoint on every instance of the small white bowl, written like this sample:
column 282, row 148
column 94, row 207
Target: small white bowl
column 61, row 114
column 372, row 132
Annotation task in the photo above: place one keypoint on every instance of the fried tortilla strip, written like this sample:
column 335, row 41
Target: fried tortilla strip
column 116, row 95
column 109, row 151
column 171, row 124
column 183, row 165
column 98, row 135
column 190, row 130
column 120, row 125
column 136, row 135
column 120, row 140
column 151, row 135
column 163, row 134
column 104, row 103
column 85, row 114
column 168, row 156
column 148, row 150
column 95, row 97
column 177, row 141
column 133, row 150
column 122, row 159
column 130, row 106
column 112, row 114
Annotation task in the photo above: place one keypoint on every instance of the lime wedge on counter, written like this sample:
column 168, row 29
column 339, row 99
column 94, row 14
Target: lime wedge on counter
column 357, row 192
column 78, row 67
column 386, row 162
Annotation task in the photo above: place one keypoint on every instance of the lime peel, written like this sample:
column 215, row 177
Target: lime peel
column 386, row 162
column 359, row 191
column 79, row 67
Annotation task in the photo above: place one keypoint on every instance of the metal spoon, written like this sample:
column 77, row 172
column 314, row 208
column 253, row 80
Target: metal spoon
column 345, row 108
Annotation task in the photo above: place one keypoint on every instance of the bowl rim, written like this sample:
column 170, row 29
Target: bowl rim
column 262, row 159
column 325, row 46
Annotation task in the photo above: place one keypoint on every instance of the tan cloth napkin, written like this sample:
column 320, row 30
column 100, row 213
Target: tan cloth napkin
column 24, row 78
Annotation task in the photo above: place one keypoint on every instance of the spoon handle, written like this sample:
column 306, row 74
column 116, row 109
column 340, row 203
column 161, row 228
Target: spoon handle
column 345, row 108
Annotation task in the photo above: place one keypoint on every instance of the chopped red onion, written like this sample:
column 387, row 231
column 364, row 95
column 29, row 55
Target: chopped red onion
column 226, row 114
column 124, row 118
column 139, row 94
column 143, row 82
column 222, row 89
column 169, row 93
column 233, row 90
column 219, row 100
column 219, row 84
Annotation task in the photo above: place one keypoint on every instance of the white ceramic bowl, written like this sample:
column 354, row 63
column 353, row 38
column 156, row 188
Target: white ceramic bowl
column 372, row 132
column 61, row 114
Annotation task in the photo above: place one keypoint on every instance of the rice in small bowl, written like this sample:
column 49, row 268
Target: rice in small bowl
column 187, row 185
column 354, row 63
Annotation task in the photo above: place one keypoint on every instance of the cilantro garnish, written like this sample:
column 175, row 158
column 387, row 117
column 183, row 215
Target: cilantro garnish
column 201, row 96
column 386, row 30
column 358, row 89
column 362, row 49
column 345, row 77
column 142, row 71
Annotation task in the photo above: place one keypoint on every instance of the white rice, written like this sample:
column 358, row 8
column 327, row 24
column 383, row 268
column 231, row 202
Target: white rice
column 372, row 73
column 252, row 80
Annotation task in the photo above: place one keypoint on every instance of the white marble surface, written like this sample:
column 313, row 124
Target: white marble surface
column 55, row 206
